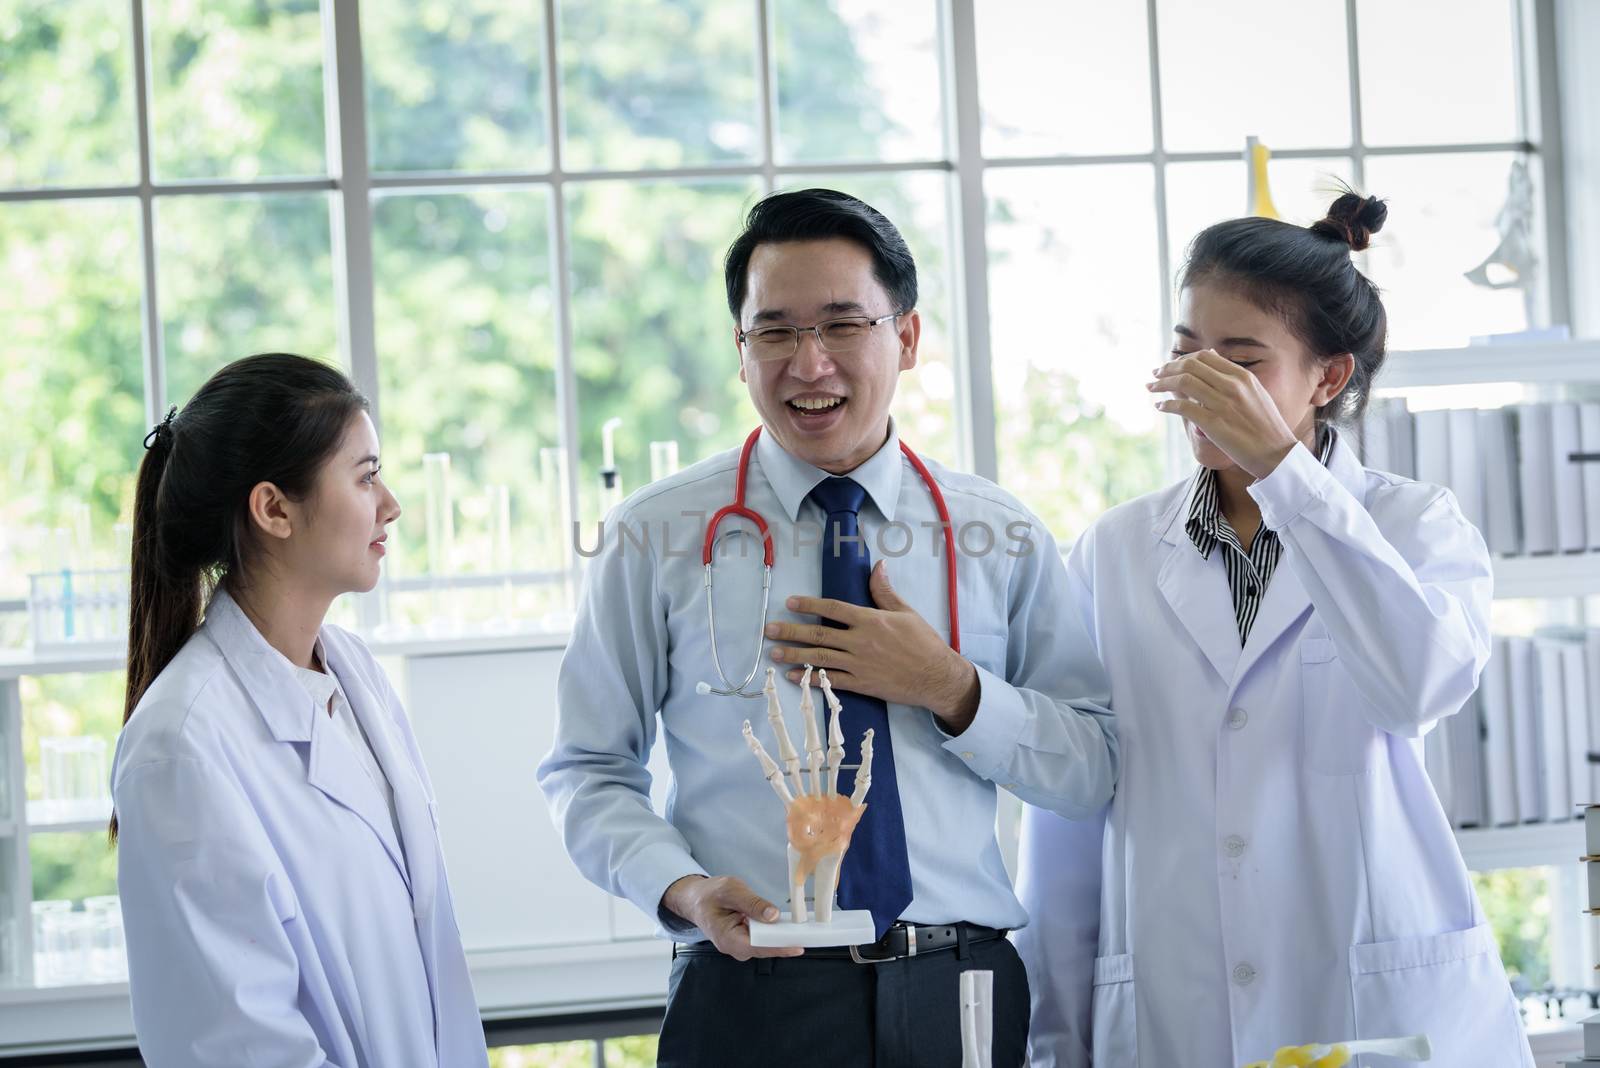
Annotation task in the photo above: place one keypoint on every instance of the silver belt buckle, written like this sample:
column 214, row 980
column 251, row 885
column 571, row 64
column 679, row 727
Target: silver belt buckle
column 911, row 949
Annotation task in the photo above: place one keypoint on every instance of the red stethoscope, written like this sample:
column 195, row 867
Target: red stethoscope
column 738, row 508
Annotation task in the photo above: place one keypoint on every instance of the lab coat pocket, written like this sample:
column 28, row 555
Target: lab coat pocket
column 1449, row 987
column 1116, row 1039
column 1336, row 738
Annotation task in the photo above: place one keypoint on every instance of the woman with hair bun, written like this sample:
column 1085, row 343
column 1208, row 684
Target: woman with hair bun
column 283, row 890
column 1280, row 629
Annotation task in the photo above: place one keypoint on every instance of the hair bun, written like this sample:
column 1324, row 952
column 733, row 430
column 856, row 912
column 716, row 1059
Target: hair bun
column 1353, row 219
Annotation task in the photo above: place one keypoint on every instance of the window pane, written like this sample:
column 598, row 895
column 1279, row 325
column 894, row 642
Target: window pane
column 1103, row 57
column 924, row 403
column 1466, row 92
column 66, row 97
column 578, row 1054
column 241, row 274
column 1199, row 194
column 455, row 86
column 1235, row 68
column 72, row 377
column 857, row 81
column 472, row 375
column 647, row 84
column 236, row 88
column 652, row 337
column 1075, row 328
column 1516, row 901
column 69, row 866
column 1442, row 224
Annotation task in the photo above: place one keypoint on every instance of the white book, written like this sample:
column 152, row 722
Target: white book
column 1432, row 446
column 1551, row 707
column 1574, row 674
column 1591, row 661
column 1501, row 507
column 1591, row 831
column 1589, row 444
column 1402, row 441
column 1466, row 467
column 1572, row 533
column 1499, row 744
column 1522, row 692
column 1537, row 471
column 1466, row 764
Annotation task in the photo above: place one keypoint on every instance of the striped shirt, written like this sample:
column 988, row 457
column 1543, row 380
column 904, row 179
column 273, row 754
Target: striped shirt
column 1249, row 569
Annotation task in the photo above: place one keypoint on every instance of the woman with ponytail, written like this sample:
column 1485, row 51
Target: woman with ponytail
column 1280, row 629
column 283, row 891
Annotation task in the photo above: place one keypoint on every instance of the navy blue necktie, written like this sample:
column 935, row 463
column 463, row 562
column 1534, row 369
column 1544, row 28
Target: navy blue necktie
column 876, row 874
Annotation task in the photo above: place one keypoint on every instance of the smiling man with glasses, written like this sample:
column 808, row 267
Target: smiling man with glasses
column 1002, row 693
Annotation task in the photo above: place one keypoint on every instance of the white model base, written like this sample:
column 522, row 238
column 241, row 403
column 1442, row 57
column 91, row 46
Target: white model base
column 847, row 928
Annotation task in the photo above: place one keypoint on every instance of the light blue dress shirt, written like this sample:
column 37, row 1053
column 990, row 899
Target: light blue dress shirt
column 640, row 645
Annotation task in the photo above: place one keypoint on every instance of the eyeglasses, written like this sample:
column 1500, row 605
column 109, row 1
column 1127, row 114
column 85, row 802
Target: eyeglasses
column 835, row 335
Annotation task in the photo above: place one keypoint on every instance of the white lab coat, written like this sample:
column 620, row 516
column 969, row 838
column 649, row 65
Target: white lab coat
column 272, row 917
column 1276, row 868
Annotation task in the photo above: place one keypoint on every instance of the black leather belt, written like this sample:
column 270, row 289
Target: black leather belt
column 903, row 940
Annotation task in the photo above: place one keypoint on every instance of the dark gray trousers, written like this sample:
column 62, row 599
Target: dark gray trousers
column 828, row 1013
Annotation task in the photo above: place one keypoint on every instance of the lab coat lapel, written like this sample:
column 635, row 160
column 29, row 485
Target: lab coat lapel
column 1286, row 599
column 410, row 798
column 335, row 769
column 1196, row 588
column 292, row 717
column 1282, row 606
column 283, row 703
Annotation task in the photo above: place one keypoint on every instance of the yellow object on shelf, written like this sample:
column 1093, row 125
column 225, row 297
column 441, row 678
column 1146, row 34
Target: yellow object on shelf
column 1258, row 198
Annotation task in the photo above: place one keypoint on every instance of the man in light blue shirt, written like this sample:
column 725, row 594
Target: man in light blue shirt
column 823, row 292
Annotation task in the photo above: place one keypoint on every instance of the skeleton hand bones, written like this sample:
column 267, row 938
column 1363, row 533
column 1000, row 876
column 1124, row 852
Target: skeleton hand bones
column 820, row 820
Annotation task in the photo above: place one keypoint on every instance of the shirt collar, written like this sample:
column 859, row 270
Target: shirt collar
column 1204, row 507
column 792, row 479
column 321, row 685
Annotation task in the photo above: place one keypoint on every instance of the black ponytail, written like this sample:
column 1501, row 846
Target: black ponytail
column 1305, row 275
column 268, row 418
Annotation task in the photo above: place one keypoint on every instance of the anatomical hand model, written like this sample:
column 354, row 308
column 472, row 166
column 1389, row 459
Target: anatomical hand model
column 820, row 820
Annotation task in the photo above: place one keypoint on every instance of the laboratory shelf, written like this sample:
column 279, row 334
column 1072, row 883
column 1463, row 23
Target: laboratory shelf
column 45, row 818
column 1559, row 575
column 18, row 662
column 1529, row 845
column 468, row 644
column 533, row 984
column 1548, row 362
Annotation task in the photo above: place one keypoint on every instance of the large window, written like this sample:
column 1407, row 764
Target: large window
column 543, row 194
column 1112, row 134
column 507, row 222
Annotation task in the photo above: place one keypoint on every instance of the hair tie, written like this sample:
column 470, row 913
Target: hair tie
column 163, row 430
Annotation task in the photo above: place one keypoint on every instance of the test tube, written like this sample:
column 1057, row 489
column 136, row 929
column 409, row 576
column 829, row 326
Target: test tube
column 663, row 459
column 498, row 499
column 108, row 960
column 610, row 477
column 61, row 537
column 440, row 513
column 76, row 598
column 122, row 567
column 557, row 521
column 48, row 962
